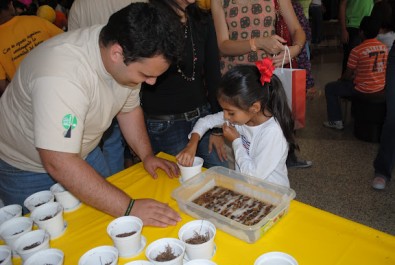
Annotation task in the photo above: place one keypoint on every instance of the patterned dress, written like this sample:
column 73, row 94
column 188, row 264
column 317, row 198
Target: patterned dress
column 247, row 19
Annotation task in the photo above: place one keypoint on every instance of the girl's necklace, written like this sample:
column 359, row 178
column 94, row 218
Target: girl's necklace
column 194, row 58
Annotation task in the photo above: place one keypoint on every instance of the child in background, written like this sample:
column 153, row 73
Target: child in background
column 256, row 119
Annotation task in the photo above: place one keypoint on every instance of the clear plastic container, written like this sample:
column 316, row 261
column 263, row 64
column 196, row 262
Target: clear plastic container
column 277, row 195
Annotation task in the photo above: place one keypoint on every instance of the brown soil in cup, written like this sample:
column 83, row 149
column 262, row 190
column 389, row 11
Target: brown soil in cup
column 126, row 234
column 46, row 218
column 17, row 232
column 198, row 239
column 166, row 255
column 32, row 246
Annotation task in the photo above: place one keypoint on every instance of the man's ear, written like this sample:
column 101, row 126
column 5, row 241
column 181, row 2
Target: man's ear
column 116, row 53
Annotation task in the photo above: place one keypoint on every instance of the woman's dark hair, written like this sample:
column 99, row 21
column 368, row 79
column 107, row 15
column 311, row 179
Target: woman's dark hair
column 192, row 10
column 144, row 30
column 241, row 87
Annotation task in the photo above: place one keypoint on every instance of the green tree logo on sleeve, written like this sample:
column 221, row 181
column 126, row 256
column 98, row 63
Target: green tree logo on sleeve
column 69, row 122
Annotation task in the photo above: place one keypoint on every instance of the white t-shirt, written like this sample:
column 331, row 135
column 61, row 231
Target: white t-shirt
column 85, row 13
column 387, row 38
column 62, row 99
column 261, row 151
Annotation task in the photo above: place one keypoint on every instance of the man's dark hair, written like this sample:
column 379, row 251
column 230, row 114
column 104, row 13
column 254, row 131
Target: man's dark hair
column 370, row 27
column 144, row 30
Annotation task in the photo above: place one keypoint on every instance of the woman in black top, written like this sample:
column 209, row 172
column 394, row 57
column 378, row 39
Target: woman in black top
column 187, row 90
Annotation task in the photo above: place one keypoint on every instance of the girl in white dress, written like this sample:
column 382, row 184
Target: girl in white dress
column 256, row 119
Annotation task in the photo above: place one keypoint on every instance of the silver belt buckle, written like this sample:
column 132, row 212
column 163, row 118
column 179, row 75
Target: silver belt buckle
column 192, row 114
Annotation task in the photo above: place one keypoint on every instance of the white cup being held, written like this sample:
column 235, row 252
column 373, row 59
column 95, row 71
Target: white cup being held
column 189, row 172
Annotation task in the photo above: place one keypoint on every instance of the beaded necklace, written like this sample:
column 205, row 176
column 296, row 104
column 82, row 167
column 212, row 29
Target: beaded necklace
column 194, row 58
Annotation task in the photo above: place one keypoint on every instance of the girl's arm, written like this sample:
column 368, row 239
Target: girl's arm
column 271, row 45
column 186, row 156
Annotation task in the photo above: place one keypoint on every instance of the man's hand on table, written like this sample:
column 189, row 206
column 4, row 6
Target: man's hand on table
column 154, row 213
column 151, row 163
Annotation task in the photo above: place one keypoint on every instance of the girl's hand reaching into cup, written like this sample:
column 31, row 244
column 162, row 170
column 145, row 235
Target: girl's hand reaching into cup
column 187, row 155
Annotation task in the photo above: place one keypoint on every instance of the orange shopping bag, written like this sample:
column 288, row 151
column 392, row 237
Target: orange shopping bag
column 294, row 83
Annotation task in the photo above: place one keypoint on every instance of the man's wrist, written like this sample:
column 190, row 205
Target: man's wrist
column 130, row 206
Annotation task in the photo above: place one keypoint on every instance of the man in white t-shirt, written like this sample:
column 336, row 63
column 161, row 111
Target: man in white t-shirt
column 64, row 96
column 86, row 13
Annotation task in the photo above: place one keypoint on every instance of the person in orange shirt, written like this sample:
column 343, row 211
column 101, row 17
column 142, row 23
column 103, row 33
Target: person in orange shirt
column 19, row 35
column 365, row 72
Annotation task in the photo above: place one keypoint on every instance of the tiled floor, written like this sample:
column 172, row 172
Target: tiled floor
column 340, row 179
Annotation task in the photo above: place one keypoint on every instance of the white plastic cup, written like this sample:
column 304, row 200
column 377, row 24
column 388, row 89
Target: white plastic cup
column 49, row 217
column 5, row 255
column 64, row 197
column 24, row 244
column 200, row 262
column 119, row 230
column 275, row 258
column 38, row 199
column 51, row 256
column 10, row 211
column 198, row 227
column 160, row 246
column 12, row 229
column 100, row 255
column 140, row 262
column 189, row 172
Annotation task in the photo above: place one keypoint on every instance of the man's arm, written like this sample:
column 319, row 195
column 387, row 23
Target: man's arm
column 78, row 177
column 133, row 128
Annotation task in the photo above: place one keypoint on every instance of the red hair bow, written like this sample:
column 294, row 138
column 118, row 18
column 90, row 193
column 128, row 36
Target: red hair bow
column 266, row 69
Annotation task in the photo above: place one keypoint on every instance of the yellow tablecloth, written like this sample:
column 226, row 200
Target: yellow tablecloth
column 312, row 236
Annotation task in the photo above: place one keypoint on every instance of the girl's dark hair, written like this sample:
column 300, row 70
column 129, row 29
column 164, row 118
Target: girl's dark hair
column 241, row 87
column 144, row 30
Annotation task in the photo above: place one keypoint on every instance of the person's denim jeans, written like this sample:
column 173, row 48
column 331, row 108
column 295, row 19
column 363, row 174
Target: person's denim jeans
column 16, row 185
column 385, row 159
column 113, row 148
column 171, row 136
column 333, row 92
